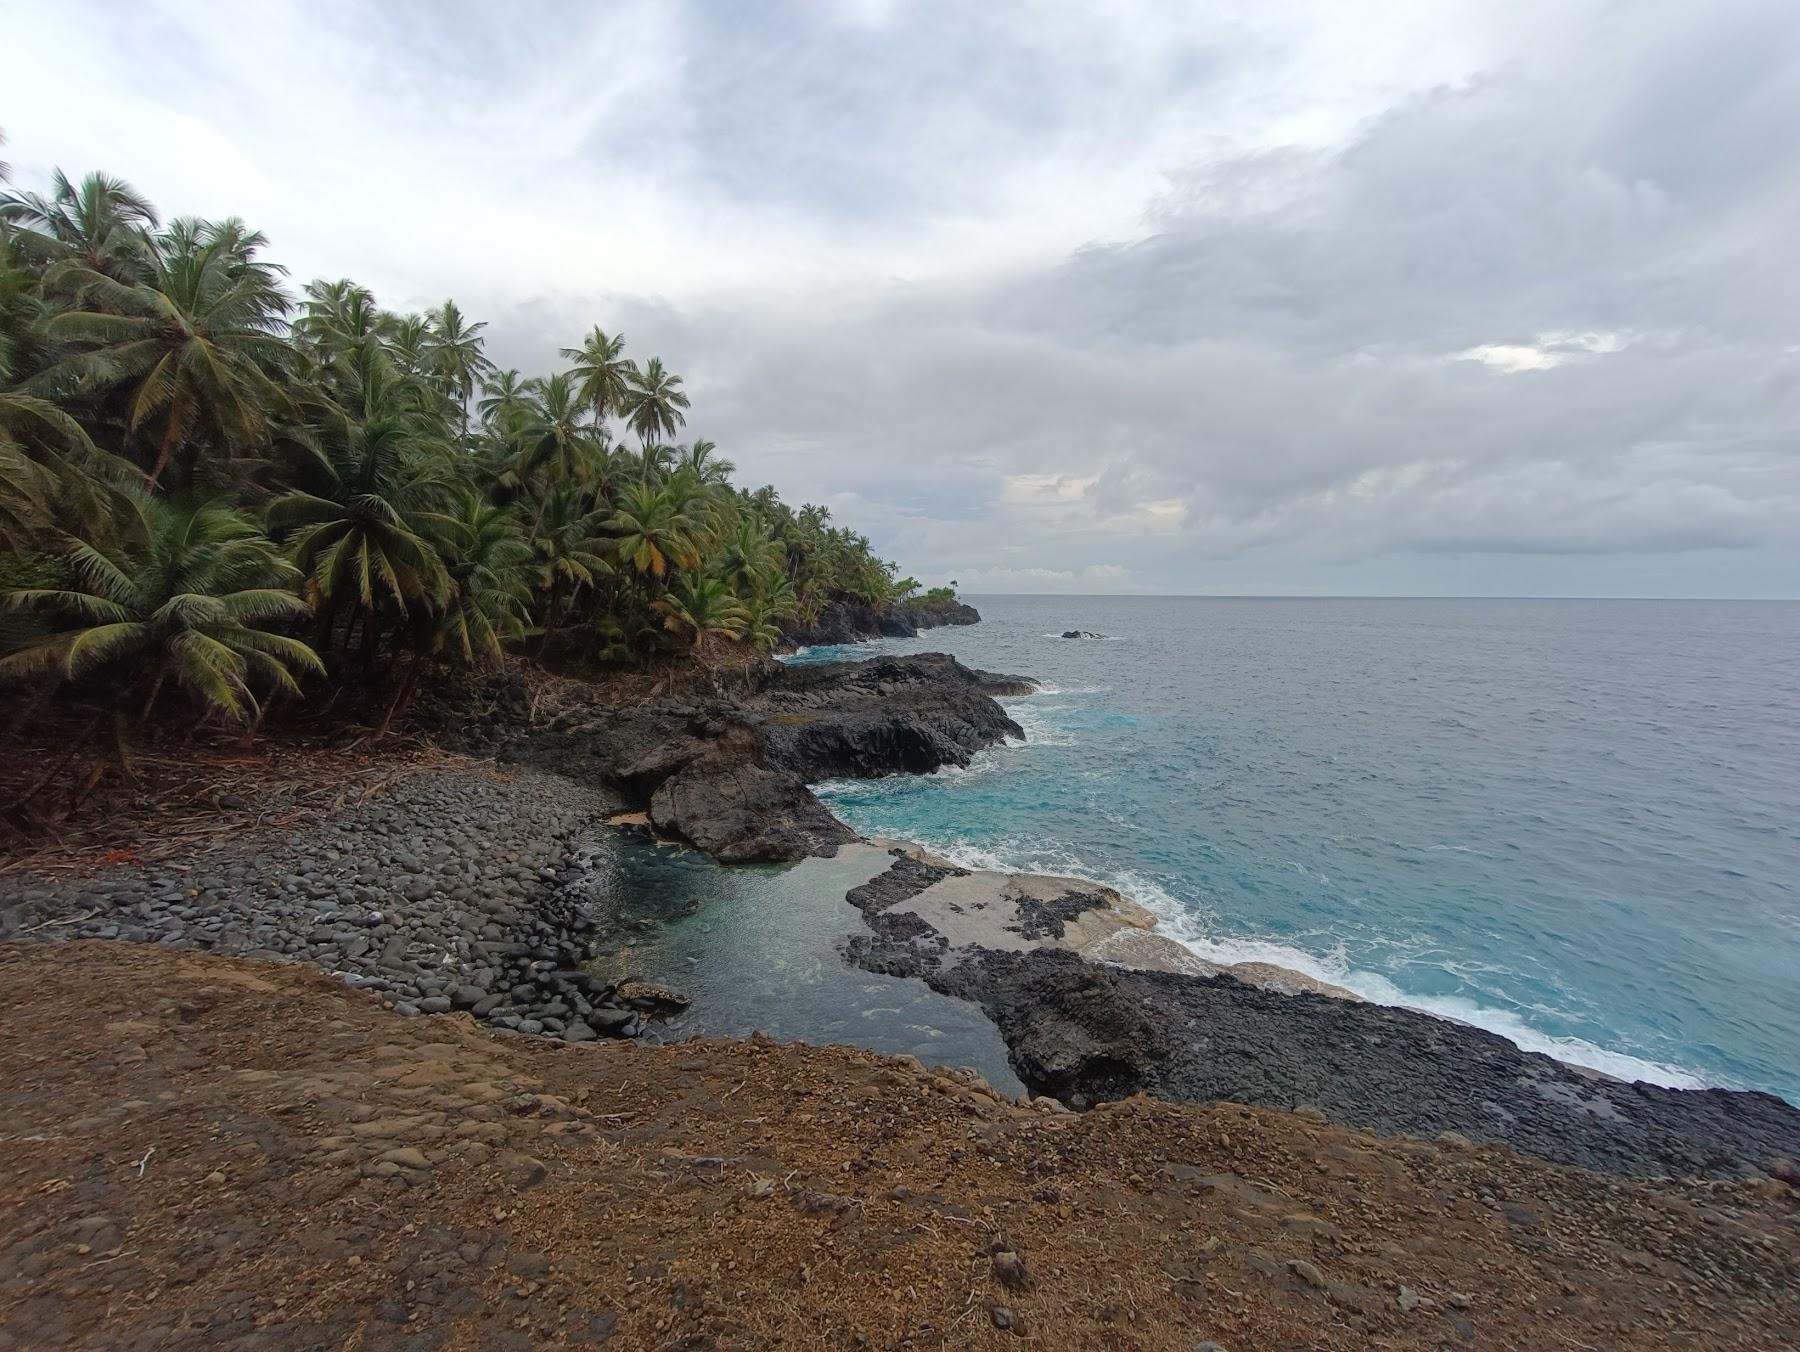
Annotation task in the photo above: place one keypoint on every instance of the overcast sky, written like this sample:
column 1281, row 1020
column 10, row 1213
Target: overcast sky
column 1417, row 298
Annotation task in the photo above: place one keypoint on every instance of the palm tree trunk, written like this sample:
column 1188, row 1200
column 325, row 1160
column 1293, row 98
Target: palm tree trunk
column 162, row 674
column 327, row 620
column 553, row 611
column 164, row 454
column 403, row 695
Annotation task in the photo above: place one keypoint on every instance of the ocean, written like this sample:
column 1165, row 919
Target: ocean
column 1574, row 823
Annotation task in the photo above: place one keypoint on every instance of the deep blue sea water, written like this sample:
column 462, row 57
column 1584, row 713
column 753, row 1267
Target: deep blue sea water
column 1576, row 823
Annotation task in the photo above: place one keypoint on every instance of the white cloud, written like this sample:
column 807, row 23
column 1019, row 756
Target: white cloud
column 1548, row 351
column 1291, row 296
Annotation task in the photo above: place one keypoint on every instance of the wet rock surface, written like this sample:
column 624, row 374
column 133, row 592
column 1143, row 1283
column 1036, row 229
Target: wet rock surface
column 729, row 774
column 1087, row 1032
column 908, row 715
column 741, row 812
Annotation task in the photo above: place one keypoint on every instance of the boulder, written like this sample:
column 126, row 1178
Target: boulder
column 652, row 997
column 743, row 813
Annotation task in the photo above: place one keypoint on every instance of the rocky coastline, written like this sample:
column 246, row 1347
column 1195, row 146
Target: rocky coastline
column 469, row 887
column 730, row 775
column 1033, row 954
column 849, row 619
column 466, row 885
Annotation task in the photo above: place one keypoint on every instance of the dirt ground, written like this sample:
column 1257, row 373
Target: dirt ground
column 196, row 1151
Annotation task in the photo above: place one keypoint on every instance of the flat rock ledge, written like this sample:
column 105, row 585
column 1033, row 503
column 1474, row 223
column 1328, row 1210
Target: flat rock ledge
column 1086, row 1032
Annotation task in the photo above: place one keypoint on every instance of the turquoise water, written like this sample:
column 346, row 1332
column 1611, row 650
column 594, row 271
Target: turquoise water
column 1574, row 823
column 758, row 949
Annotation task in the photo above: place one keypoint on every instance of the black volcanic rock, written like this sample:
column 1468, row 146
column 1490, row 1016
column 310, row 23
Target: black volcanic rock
column 886, row 716
column 924, row 613
column 730, row 775
column 850, row 619
column 1089, row 1032
column 743, row 813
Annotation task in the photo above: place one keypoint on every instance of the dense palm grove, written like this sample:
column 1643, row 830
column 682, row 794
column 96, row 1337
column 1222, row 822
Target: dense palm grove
column 214, row 489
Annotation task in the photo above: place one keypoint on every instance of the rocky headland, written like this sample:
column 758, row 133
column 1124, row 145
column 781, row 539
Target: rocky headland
column 463, row 884
column 849, row 619
column 730, row 774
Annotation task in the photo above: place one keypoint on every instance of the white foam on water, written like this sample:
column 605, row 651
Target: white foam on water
column 1181, row 923
column 1039, row 730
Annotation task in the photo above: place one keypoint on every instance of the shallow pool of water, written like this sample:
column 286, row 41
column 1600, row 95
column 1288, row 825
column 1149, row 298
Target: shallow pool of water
column 759, row 948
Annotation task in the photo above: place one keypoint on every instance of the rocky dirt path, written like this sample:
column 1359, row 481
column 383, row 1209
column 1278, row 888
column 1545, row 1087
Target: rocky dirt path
column 200, row 1151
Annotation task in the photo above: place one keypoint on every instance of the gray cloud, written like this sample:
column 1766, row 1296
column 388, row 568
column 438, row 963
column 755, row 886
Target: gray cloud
column 1297, row 297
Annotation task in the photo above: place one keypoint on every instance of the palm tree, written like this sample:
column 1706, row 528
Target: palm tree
column 701, row 460
column 763, row 615
column 191, row 351
column 189, row 605
column 652, row 533
column 336, row 317
column 656, row 461
column 702, row 608
column 237, row 241
column 363, row 533
column 654, row 403
column 750, row 560
column 603, row 371
column 456, row 357
column 486, row 559
column 101, row 223
column 408, row 339
column 51, row 472
column 504, row 399
column 568, row 550
column 552, row 444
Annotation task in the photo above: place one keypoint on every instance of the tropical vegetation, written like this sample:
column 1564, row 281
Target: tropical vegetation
column 216, row 487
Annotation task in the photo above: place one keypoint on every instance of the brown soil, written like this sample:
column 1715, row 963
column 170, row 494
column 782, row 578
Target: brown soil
column 205, row 1152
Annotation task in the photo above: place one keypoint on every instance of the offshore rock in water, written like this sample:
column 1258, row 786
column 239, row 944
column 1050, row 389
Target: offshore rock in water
column 1080, row 633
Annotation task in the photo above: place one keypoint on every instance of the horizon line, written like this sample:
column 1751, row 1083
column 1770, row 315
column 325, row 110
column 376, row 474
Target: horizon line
column 1368, row 596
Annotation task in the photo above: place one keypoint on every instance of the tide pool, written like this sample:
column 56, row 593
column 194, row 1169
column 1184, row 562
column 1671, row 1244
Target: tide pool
column 757, row 948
